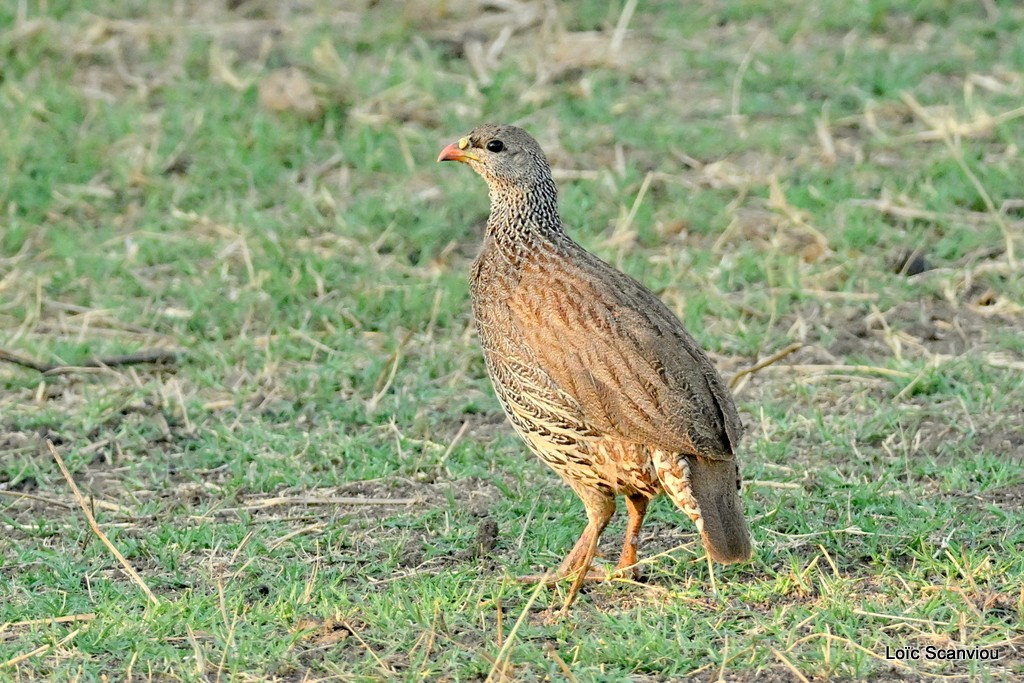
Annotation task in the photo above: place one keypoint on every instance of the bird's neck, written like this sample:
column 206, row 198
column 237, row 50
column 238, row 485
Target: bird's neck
column 525, row 217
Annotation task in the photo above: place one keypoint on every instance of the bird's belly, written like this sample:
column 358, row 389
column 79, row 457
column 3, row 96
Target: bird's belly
column 552, row 424
column 626, row 467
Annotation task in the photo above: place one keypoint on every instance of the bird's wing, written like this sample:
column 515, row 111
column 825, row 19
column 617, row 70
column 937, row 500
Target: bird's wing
column 606, row 340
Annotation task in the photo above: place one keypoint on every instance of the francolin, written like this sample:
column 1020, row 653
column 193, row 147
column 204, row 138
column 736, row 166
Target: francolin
column 594, row 372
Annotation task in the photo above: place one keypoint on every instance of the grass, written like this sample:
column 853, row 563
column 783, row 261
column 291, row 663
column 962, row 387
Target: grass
column 312, row 267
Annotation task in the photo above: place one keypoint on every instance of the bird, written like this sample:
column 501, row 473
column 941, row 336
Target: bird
column 594, row 372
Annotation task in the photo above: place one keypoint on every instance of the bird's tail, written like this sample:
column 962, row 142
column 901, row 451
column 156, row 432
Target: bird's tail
column 708, row 492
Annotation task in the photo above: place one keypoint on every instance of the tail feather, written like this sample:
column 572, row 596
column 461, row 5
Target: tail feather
column 707, row 491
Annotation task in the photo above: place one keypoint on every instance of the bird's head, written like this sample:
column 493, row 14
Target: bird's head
column 506, row 156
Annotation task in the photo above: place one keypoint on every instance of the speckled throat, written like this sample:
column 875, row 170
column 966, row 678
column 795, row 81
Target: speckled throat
column 524, row 219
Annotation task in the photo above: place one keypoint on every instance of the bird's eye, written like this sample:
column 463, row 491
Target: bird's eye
column 495, row 146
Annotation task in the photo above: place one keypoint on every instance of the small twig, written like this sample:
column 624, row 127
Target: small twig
column 22, row 361
column 900, row 617
column 66, row 619
column 774, row 358
column 41, row 499
column 102, row 504
column 890, row 208
column 312, row 500
column 278, row 542
column 39, row 650
column 162, row 356
column 96, row 527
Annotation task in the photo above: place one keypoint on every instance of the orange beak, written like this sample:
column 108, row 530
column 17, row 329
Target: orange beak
column 453, row 153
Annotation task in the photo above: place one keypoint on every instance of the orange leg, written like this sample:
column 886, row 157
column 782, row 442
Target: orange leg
column 636, row 506
column 600, row 508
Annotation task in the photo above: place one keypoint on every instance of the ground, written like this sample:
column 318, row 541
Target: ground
column 315, row 482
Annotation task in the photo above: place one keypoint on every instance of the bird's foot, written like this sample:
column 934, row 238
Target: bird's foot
column 629, row 572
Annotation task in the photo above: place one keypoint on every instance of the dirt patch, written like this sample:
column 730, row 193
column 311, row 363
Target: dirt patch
column 1005, row 437
column 913, row 328
column 1007, row 498
column 473, row 494
column 1001, row 434
column 480, row 552
column 485, row 541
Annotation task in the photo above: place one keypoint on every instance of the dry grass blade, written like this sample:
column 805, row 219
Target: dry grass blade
column 499, row 661
column 835, row 367
column 789, row 665
column 983, row 125
column 622, row 236
column 737, row 83
column 890, row 208
column 455, row 440
column 96, row 527
column 388, row 375
column 312, row 528
column 388, row 671
column 950, row 132
column 773, row 484
column 553, row 654
column 619, row 34
column 825, row 139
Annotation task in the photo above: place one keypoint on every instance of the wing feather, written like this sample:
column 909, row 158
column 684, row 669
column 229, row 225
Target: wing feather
column 617, row 349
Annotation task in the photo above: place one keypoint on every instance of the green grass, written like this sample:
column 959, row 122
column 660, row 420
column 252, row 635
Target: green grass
column 313, row 270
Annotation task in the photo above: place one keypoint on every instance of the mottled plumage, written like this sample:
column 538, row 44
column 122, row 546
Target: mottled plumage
column 595, row 373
